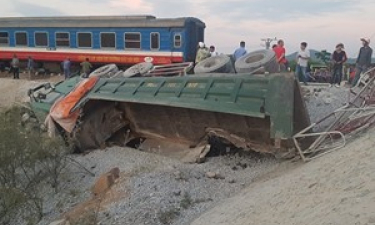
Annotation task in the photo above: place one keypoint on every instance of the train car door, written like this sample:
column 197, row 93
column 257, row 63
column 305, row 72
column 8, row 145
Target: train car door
column 194, row 34
column 177, row 44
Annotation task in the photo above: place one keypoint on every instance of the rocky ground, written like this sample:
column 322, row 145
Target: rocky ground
column 153, row 189
column 322, row 100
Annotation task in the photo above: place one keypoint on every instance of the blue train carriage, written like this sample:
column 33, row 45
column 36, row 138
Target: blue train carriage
column 124, row 40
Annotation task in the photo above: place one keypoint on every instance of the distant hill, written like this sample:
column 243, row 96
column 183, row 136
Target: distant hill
column 352, row 60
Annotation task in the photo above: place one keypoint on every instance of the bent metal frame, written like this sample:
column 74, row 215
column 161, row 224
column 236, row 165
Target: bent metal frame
column 332, row 132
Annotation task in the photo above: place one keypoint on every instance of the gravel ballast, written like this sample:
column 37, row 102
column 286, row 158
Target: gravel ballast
column 182, row 192
column 160, row 189
column 323, row 100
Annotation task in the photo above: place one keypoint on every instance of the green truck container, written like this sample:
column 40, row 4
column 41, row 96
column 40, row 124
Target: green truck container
column 260, row 113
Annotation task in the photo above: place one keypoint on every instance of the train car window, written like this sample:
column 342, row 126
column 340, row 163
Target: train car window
column 177, row 41
column 21, row 38
column 41, row 39
column 107, row 40
column 155, row 41
column 84, row 40
column 133, row 40
column 4, row 38
column 62, row 39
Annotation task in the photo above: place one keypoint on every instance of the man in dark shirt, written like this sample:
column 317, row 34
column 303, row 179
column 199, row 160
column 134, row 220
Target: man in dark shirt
column 86, row 68
column 15, row 67
column 363, row 62
column 338, row 59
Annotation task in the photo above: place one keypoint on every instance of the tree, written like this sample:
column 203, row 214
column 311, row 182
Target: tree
column 324, row 56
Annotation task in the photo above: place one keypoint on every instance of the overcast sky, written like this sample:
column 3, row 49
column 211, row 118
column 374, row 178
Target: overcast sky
column 321, row 23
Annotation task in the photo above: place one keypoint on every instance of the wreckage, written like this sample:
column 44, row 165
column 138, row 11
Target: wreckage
column 259, row 112
column 332, row 131
column 264, row 113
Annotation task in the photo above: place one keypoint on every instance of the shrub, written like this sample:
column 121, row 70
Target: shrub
column 28, row 159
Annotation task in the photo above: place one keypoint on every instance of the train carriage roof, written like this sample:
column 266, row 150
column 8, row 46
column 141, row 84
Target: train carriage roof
column 97, row 21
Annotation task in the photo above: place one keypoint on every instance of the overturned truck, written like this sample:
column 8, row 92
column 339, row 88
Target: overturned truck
column 259, row 113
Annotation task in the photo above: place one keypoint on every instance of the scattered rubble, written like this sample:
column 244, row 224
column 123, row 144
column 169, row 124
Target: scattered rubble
column 321, row 101
column 332, row 130
column 211, row 175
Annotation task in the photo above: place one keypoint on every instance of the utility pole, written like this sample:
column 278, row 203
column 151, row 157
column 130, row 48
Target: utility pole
column 268, row 41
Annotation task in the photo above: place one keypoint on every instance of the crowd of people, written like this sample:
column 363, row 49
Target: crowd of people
column 66, row 66
column 203, row 52
column 338, row 59
column 86, row 68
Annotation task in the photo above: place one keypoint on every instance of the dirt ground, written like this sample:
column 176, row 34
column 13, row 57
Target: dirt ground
column 15, row 91
column 336, row 189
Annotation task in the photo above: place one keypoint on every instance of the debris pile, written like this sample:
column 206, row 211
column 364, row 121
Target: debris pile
column 331, row 132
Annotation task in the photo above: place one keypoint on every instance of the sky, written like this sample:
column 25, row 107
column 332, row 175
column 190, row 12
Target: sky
column 321, row 23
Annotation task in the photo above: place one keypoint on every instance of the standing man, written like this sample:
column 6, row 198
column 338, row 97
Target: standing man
column 280, row 55
column 241, row 51
column 86, row 68
column 363, row 62
column 338, row 59
column 66, row 67
column 15, row 67
column 202, row 53
column 213, row 52
column 303, row 57
column 30, row 66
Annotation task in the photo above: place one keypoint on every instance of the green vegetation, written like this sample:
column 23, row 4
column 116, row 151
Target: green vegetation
column 324, row 56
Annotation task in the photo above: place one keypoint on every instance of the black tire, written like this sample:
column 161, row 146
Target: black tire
column 216, row 64
column 139, row 69
column 105, row 71
column 253, row 61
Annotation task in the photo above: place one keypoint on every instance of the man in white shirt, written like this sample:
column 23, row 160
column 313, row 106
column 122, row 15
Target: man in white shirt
column 213, row 52
column 303, row 57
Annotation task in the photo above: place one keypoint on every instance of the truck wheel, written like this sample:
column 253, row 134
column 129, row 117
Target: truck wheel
column 253, row 61
column 104, row 71
column 216, row 64
column 139, row 69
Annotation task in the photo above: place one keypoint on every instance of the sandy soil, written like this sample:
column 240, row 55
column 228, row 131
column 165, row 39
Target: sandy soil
column 336, row 189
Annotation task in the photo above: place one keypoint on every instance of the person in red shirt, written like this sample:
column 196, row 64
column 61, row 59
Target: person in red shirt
column 280, row 55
